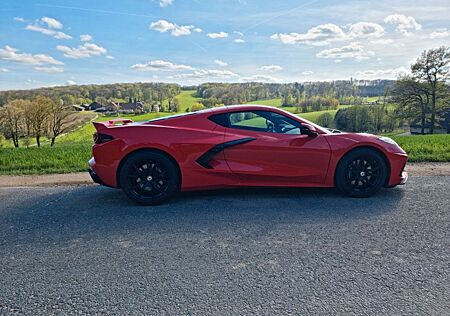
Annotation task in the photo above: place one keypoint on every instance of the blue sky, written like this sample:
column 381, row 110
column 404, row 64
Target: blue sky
column 47, row 43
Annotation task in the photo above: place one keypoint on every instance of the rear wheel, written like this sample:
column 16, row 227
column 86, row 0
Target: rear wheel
column 361, row 173
column 149, row 178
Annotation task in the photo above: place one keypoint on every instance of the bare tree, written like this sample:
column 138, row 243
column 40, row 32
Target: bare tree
column 58, row 117
column 11, row 120
column 39, row 112
column 432, row 68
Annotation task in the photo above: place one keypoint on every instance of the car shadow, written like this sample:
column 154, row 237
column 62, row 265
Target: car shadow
column 92, row 211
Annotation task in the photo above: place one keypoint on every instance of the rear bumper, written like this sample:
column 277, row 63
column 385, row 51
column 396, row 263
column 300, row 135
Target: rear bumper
column 95, row 177
column 96, row 171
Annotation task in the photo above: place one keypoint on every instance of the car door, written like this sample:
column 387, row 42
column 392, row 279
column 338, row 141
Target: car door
column 274, row 151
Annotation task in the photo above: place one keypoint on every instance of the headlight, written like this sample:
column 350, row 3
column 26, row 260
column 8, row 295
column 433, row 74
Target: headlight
column 388, row 140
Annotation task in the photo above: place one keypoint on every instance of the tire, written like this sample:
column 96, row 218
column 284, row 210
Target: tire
column 149, row 178
column 361, row 173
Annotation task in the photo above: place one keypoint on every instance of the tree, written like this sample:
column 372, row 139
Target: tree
column 58, row 114
column 174, row 105
column 39, row 113
column 413, row 99
column 432, row 68
column 11, row 120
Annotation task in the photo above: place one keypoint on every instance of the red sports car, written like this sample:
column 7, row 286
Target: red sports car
column 239, row 146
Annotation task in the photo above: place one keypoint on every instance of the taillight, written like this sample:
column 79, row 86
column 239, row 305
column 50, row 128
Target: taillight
column 102, row 138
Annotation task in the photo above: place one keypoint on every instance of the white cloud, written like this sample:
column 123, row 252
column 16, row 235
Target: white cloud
column 110, row 57
column 51, row 69
column 207, row 74
column 12, row 54
column 43, row 30
column 238, row 33
column 260, row 78
column 239, row 40
column 318, row 35
column 353, row 50
column 271, row 68
column 440, row 33
column 160, row 65
column 390, row 73
column 70, row 83
column 165, row 3
column 18, row 19
column 307, row 73
column 4, row 70
column 220, row 63
column 86, row 50
column 86, row 38
column 51, row 23
column 403, row 24
column 365, row 30
column 48, row 26
column 163, row 26
column 198, row 30
column 217, row 35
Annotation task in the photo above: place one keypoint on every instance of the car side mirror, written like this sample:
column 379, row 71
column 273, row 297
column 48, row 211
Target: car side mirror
column 307, row 129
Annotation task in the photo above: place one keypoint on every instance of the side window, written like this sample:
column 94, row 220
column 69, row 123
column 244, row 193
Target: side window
column 249, row 120
column 264, row 121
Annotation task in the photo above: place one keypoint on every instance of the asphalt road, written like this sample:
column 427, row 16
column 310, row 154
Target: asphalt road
column 86, row 250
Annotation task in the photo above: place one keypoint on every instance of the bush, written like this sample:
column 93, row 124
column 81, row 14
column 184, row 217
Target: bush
column 325, row 120
column 197, row 107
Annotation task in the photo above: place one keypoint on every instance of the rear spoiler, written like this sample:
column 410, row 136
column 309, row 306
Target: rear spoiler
column 111, row 123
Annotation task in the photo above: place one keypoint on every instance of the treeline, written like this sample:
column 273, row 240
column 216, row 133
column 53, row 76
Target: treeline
column 149, row 93
column 310, row 104
column 344, row 91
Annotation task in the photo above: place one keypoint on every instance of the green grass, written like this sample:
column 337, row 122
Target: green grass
column 426, row 147
column 187, row 99
column 62, row 158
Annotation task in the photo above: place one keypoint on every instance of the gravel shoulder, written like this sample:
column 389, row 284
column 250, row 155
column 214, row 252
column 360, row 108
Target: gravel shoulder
column 80, row 178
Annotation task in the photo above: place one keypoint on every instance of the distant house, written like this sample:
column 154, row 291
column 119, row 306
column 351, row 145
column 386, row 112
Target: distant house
column 416, row 128
column 94, row 106
column 135, row 107
column 442, row 125
column 131, row 107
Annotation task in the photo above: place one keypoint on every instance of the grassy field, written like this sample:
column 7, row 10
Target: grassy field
column 187, row 99
column 426, row 147
column 63, row 158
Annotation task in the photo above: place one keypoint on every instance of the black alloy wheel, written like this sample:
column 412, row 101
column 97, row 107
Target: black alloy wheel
column 149, row 178
column 361, row 173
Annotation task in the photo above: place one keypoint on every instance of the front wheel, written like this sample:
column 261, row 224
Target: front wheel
column 361, row 173
column 149, row 178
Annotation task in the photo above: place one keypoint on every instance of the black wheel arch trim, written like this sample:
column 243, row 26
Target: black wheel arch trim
column 205, row 159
